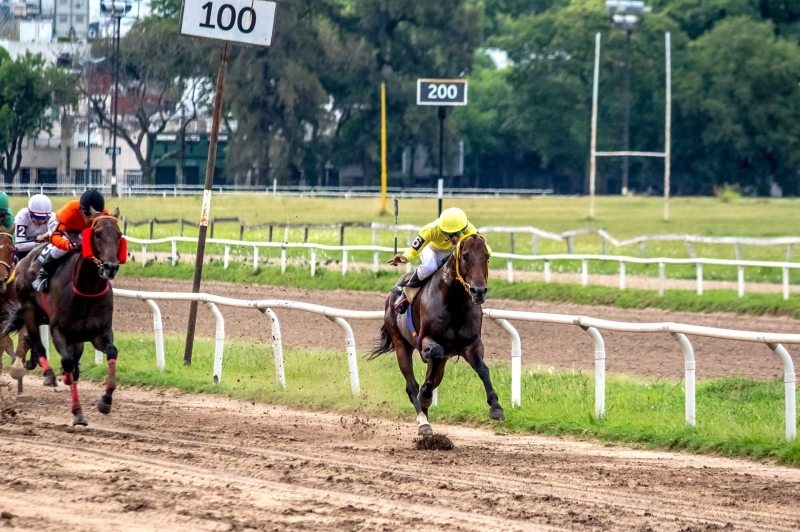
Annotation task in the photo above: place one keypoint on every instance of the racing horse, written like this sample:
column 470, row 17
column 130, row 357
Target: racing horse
column 7, row 294
column 79, row 306
column 444, row 322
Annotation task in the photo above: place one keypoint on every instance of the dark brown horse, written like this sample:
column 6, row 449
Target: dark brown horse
column 447, row 318
column 7, row 294
column 79, row 307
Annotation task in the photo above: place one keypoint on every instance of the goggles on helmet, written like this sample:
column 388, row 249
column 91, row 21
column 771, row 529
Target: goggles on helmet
column 451, row 235
column 38, row 217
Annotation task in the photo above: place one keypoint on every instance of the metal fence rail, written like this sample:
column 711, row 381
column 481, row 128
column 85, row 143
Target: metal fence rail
column 591, row 326
column 510, row 258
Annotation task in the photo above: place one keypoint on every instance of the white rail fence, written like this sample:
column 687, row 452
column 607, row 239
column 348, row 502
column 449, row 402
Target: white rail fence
column 510, row 258
column 591, row 326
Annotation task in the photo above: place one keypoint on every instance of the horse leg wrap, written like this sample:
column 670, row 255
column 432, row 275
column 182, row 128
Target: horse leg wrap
column 44, row 364
column 68, row 380
column 73, row 390
column 111, row 379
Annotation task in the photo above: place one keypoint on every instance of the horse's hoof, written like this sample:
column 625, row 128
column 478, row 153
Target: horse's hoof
column 30, row 364
column 78, row 419
column 425, row 430
column 497, row 414
column 50, row 379
column 17, row 371
column 102, row 407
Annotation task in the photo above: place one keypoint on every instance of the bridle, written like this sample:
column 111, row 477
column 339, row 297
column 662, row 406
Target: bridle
column 94, row 221
column 460, row 278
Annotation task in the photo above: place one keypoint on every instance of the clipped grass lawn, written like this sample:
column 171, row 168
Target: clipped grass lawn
column 735, row 417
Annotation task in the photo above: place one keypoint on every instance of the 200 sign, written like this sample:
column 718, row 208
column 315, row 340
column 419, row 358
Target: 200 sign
column 227, row 11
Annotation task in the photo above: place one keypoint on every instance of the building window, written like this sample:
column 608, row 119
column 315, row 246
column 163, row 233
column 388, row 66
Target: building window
column 63, row 19
column 77, row 5
column 78, row 19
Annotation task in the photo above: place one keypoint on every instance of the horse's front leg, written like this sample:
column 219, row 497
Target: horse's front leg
column 105, row 343
column 474, row 357
column 38, row 352
column 69, row 364
column 432, row 381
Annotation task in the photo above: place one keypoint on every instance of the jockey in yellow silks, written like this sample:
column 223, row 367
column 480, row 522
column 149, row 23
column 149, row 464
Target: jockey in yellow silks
column 434, row 245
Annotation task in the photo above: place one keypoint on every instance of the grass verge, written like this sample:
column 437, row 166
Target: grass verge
column 735, row 417
column 756, row 304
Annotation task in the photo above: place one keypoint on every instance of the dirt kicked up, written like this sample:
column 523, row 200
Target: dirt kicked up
column 165, row 461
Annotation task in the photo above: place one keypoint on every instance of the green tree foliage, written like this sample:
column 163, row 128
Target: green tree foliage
column 28, row 91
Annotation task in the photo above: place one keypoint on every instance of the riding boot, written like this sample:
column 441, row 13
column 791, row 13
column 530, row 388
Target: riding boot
column 48, row 266
column 410, row 289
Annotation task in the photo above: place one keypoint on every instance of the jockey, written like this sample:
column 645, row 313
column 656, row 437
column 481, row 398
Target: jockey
column 6, row 216
column 443, row 234
column 73, row 218
column 32, row 224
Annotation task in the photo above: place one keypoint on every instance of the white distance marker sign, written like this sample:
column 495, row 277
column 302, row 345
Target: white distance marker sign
column 240, row 21
column 441, row 92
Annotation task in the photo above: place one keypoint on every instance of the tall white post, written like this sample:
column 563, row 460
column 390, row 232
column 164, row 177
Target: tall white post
column 668, row 125
column 593, row 158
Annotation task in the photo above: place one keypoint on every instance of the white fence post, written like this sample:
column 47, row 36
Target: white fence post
column 344, row 262
column 313, row 262
column 174, row 252
column 158, row 333
column 740, row 282
column 516, row 361
column 584, row 272
column 44, row 333
column 98, row 358
column 352, row 359
column 786, row 284
column 375, row 264
column 546, row 271
column 599, row 370
column 699, row 279
column 277, row 347
column 622, row 275
column 510, row 268
column 283, row 259
column 219, row 345
column 689, row 378
column 255, row 258
column 144, row 255
column 227, row 256
column 789, row 390
column 661, row 279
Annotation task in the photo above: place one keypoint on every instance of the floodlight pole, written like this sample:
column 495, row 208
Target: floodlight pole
column 593, row 156
column 668, row 125
column 116, row 111
column 442, row 117
column 211, row 164
column 626, row 131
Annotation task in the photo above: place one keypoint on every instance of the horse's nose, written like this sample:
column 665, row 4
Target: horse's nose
column 112, row 269
column 478, row 293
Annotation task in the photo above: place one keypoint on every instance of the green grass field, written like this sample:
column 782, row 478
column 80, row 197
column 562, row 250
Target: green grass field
column 622, row 217
column 735, row 417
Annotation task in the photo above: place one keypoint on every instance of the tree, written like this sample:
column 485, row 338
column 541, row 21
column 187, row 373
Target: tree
column 738, row 101
column 162, row 81
column 28, row 90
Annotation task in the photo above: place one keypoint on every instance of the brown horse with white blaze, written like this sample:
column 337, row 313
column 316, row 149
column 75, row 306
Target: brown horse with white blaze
column 444, row 321
column 79, row 306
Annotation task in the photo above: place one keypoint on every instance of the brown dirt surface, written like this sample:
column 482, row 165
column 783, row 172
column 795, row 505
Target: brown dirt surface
column 547, row 345
column 172, row 462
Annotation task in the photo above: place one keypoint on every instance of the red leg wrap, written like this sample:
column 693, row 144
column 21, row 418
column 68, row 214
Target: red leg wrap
column 73, row 390
column 111, row 381
column 67, row 378
column 44, row 364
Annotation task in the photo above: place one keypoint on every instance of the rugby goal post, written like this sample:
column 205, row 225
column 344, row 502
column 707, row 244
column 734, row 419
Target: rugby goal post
column 667, row 129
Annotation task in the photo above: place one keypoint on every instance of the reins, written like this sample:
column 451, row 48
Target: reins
column 460, row 278
column 94, row 259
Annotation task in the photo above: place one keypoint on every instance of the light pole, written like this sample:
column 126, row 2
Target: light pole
column 89, row 64
column 117, row 10
column 625, row 15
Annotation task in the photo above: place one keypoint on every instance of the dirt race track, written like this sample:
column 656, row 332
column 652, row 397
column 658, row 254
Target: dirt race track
column 164, row 461
column 556, row 345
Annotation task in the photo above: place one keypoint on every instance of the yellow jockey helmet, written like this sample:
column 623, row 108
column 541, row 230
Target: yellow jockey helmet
column 453, row 220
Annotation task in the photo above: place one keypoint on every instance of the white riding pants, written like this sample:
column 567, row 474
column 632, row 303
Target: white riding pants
column 431, row 259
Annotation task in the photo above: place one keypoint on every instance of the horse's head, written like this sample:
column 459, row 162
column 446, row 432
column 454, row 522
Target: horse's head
column 472, row 266
column 6, row 258
column 104, row 245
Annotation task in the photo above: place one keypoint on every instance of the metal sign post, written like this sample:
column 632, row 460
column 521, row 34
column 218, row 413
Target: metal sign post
column 443, row 93
column 239, row 21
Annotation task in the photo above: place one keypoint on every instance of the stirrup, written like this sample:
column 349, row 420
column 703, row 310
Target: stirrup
column 41, row 285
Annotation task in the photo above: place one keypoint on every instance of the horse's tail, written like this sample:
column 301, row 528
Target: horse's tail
column 14, row 321
column 384, row 345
